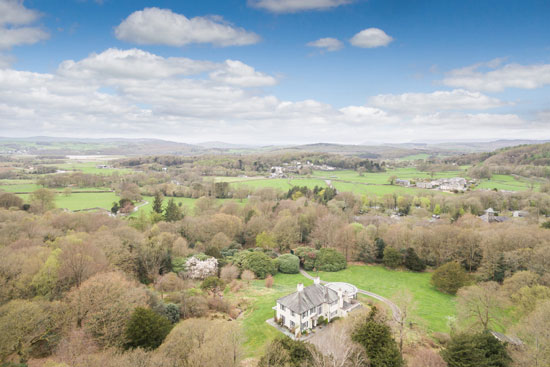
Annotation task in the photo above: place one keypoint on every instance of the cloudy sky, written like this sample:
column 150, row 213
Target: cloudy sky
column 276, row 71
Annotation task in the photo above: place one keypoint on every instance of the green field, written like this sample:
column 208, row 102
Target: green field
column 83, row 201
column 89, row 167
column 257, row 332
column 281, row 183
column 507, row 182
column 186, row 202
column 433, row 308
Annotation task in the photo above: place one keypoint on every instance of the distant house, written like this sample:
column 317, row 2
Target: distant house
column 424, row 185
column 492, row 216
column 405, row 183
column 303, row 309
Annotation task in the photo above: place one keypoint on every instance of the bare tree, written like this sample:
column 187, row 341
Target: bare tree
column 480, row 306
column 405, row 301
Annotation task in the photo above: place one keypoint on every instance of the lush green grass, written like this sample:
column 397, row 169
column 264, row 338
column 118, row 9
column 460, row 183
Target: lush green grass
column 282, row 183
column 379, row 190
column 90, row 167
column 83, row 201
column 433, row 308
column 189, row 203
column 257, row 332
column 381, row 178
column 414, row 157
column 19, row 187
column 507, row 182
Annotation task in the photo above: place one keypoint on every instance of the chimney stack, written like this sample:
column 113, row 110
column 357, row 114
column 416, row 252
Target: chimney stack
column 300, row 287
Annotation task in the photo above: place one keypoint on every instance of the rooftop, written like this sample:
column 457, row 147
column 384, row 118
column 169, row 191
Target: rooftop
column 309, row 297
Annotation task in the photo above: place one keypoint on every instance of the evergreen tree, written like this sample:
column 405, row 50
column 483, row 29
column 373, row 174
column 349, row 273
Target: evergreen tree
column 376, row 338
column 413, row 262
column 172, row 212
column 146, row 329
column 478, row 350
column 157, row 204
column 500, row 269
column 380, row 246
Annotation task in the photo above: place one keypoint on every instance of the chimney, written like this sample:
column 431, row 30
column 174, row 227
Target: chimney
column 317, row 280
column 300, row 287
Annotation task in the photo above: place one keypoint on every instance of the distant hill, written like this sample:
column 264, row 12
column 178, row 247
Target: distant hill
column 536, row 155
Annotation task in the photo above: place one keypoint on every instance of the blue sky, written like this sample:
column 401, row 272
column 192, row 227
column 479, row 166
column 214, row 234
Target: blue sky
column 248, row 71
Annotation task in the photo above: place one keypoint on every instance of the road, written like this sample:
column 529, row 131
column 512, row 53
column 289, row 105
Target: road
column 396, row 312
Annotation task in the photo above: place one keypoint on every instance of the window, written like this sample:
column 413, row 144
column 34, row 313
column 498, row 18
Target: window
column 304, row 325
column 320, row 309
column 292, row 313
column 304, row 314
column 282, row 307
column 312, row 311
column 283, row 319
column 292, row 324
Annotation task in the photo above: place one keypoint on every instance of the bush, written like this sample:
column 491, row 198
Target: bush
column 146, row 329
column 269, row 281
column 392, row 258
column 229, row 272
column 259, row 263
column 289, row 264
column 212, row 284
column 481, row 349
column 450, row 277
column 307, row 256
column 330, row 260
column 413, row 262
column 172, row 312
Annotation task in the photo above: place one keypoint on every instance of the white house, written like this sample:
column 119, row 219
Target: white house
column 302, row 310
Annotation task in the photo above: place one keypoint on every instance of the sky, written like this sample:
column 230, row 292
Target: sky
column 276, row 71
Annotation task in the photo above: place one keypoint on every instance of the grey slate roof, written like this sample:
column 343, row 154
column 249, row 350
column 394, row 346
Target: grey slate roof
column 312, row 296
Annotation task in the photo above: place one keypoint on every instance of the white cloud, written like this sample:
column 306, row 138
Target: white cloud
column 371, row 38
column 14, row 21
column 133, row 63
column 329, row 44
column 133, row 93
column 474, row 77
column 240, row 74
column 458, row 99
column 154, row 26
column 293, row 6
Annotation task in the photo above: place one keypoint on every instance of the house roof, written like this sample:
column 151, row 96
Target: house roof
column 312, row 296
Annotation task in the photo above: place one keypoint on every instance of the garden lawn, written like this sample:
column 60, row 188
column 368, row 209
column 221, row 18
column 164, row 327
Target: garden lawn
column 261, row 300
column 433, row 308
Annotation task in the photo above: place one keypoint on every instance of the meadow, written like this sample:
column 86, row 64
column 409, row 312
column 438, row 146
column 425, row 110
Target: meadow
column 432, row 310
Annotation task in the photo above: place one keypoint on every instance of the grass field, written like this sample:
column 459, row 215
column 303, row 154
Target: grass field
column 433, row 308
column 83, row 201
column 507, row 182
column 89, row 167
column 282, row 183
column 189, row 203
column 261, row 299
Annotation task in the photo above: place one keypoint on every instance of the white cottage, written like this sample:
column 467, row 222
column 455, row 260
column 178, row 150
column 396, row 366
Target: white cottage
column 302, row 310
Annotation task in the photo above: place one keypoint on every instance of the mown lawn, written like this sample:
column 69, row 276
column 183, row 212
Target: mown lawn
column 261, row 300
column 433, row 308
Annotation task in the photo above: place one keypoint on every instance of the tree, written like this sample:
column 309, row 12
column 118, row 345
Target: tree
column 392, row 179
column 157, row 203
column 229, row 272
column 405, row 301
column 285, row 352
column 413, row 262
column 450, row 277
column 266, row 240
column 172, row 212
column 307, row 256
column 380, row 247
column 9, row 200
column 376, row 339
column 533, row 331
column 392, row 258
column 269, row 281
column 481, row 306
column 146, row 329
column 42, row 200
column 477, row 350
column 259, row 263
column 212, row 284
column 330, row 260
column 289, row 264
column 248, row 276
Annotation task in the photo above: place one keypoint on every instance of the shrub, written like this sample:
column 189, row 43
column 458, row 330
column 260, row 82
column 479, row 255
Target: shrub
column 284, row 351
column 413, row 262
column 146, row 329
column 307, row 257
column 450, row 277
column 269, row 281
column 248, row 276
column 259, row 263
column 482, row 349
column 212, row 284
column 229, row 272
column 392, row 258
column 289, row 264
column 172, row 312
column 330, row 260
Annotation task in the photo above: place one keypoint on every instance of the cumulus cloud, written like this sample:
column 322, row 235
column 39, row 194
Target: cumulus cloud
column 294, row 6
column 328, row 44
column 237, row 73
column 154, row 26
column 133, row 63
column 371, row 38
column 133, row 93
column 500, row 77
column 458, row 99
column 15, row 21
